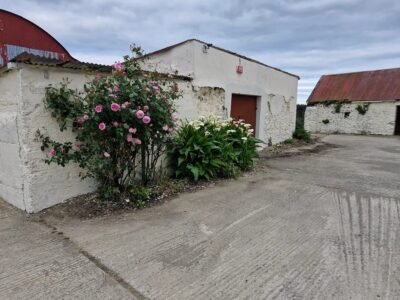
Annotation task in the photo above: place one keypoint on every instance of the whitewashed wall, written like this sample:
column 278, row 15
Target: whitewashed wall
column 276, row 90
column 379, row 119
column 11, row 177
column 25, row 180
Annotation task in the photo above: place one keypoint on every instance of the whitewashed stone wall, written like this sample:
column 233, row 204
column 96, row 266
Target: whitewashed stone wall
column 280, row 119
column 379, row 119
column 25, row 180
column 276, row 90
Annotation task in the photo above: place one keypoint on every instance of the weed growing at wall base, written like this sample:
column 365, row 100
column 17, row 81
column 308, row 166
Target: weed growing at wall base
column 300, row 133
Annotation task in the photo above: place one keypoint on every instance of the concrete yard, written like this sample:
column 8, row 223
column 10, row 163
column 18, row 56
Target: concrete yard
column 316, row 226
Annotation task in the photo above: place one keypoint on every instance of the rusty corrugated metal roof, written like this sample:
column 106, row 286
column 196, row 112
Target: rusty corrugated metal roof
column 31, row 59
column 379, row 85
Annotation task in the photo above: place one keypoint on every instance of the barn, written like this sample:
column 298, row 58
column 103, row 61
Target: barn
column 262, row 95
column 356, row 103
column 18, row 35
column 221, row 83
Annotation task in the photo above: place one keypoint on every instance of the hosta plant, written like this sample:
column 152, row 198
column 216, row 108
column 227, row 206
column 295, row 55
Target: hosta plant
column 211, row 147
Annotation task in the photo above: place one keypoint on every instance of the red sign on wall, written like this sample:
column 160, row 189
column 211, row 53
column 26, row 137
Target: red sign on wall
column 239, row 69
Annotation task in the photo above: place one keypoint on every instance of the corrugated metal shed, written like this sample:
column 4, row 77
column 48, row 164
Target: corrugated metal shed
column 18, row 35
column 379, row 85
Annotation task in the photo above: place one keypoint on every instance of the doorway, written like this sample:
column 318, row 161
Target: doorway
column 244, row 107
column 397, row 125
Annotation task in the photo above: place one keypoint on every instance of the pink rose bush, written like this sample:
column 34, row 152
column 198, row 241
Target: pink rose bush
column 102, row 126
column 115, row 131
column 115, row 107
column 146, row 119
column 139, row 114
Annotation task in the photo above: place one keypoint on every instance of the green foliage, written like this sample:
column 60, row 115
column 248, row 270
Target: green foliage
column 300, row 133
column 122, row 120
column 325, row 121
column 338, row 106
column 139, row 195
column 289, row 141
column 64, row 104
column 210, row 147
column 362, row 108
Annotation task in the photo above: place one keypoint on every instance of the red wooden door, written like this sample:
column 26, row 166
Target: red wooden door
column 244, row 107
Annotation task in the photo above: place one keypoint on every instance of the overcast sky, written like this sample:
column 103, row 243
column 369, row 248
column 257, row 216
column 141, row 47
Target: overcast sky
column 308, row 38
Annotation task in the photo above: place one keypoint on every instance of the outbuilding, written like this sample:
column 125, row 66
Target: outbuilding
column 212, row 81
column 262, row 95
column 356, row 103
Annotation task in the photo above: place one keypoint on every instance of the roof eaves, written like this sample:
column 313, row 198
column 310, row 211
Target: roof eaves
column 31, row 59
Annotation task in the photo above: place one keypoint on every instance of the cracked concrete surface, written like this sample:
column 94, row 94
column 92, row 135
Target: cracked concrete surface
column 323, row 225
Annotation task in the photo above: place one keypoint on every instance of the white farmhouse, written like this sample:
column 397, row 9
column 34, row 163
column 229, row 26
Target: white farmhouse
column 262, row 95
column 356, row 103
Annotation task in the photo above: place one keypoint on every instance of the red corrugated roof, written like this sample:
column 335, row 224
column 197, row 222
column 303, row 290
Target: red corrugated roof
column 379, row 85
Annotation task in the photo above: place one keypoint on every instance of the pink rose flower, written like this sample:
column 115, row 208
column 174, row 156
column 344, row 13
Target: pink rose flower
column 132, row 130
column 137, row 141
column 165, row 127
column 129, row 138
column 115, row 106
column 99, row 108
column 106, row 154
column 170, row 129
column 98, row 76
column 139, row 114
column 115, row 124
column 77, row 146
column 102, row 126
column 85, row 117
column 51, row 153
column 146, row 108
column 116, row 88
column 146, row 119
column 156, row 89
column 126, row 103
column 118, row 67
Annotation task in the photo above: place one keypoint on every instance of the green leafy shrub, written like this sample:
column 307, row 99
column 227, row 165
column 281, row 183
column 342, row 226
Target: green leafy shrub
column 325, row 121
column 362, row 108
column 300, row 133
column 210, row 147
column 123, row 121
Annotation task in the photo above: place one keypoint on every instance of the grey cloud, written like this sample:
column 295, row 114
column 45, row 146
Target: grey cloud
column 309, row 37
